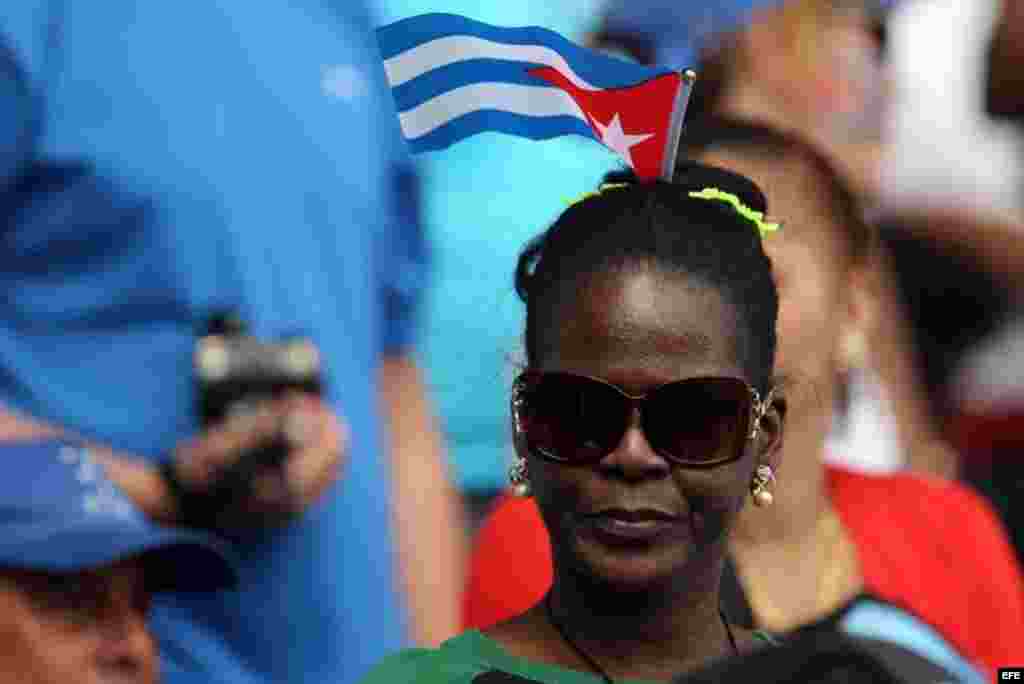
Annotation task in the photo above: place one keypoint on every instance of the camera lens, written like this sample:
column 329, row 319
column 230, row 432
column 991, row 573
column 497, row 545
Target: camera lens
column 301, row 359
column 212, row 359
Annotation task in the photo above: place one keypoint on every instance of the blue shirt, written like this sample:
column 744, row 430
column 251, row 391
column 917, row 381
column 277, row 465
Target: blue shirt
column 159, row 161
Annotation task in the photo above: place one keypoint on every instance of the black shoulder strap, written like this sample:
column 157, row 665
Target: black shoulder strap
column 824, row 657
column 906, row 665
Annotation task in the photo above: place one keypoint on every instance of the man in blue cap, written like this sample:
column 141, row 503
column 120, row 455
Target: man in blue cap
column 79, row 564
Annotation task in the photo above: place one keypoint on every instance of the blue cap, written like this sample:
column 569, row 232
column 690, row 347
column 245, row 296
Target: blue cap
column 60, row 513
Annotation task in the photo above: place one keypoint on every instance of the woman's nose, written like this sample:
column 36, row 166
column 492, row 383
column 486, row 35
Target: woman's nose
column 634, row 458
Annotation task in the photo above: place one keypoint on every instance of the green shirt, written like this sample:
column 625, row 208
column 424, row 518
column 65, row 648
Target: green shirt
column 468, row 655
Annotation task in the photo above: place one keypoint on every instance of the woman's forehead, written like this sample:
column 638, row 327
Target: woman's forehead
column 645, row 317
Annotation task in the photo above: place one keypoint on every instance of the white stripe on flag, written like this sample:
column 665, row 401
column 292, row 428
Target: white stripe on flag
column 506, row 97
column 440, row 52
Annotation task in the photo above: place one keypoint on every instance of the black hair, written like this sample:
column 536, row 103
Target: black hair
column 727, row 133
column 658, row 223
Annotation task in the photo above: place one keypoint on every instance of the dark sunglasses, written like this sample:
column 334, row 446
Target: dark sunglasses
column 578, row 420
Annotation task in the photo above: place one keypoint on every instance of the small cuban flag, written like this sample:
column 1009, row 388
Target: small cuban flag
column 453, row 77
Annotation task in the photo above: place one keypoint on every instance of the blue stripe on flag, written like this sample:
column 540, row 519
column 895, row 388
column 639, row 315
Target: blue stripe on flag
column 596, row 68
column 439, row 81
column 489, row 120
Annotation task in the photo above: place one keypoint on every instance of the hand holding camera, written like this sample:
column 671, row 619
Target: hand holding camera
column 270, row 447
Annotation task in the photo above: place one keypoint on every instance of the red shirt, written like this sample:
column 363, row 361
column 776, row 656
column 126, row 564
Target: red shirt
column 927, row 545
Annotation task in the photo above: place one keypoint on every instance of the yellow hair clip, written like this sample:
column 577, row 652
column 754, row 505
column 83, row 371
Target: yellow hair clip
column 595, row 193
column 755, row 217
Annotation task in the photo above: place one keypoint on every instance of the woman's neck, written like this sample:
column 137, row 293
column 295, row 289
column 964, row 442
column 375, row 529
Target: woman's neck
column 650, row 635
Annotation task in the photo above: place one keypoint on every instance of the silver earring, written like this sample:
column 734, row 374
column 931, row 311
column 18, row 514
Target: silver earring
column 519, row 478
column 763, row 478
column 760, row 408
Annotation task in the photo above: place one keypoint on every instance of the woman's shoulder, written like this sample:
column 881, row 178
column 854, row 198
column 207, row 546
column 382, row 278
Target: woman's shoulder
column 454, row 662
column 935, row 527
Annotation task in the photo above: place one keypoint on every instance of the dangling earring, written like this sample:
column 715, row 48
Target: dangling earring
column 763, row 477
column 519, row 477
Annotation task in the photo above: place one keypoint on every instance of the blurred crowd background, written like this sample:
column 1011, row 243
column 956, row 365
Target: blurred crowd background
column 901, row 96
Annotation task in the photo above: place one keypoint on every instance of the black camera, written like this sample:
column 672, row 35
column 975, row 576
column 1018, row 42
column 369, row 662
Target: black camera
column 236, row 373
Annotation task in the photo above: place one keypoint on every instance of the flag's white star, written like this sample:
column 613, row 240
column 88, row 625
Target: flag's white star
column 617, row 139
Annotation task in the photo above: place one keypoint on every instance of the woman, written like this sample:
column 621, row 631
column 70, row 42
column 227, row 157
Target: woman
column 832, row 535
column 643, row 422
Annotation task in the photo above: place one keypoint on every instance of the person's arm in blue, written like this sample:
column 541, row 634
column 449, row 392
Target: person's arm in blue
column 430, row 525
column 310, row 468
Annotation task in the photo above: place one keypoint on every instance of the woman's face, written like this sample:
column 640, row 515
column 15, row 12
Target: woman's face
column 638, row 329
column 811, row 266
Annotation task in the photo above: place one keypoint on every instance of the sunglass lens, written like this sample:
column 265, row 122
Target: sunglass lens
column 699, row 421
column 571, row 418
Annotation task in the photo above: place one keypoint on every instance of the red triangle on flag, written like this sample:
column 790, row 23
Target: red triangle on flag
column 635, row 122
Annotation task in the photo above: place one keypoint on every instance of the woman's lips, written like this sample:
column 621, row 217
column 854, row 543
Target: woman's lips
column 625, row 526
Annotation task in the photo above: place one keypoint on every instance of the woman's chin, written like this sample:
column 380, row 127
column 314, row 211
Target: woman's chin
column 630, row 569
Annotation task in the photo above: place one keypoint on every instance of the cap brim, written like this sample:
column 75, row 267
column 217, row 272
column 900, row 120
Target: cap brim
column 175, row 560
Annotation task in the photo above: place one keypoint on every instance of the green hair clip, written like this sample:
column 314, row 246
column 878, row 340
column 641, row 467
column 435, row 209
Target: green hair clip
column 755, row 217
